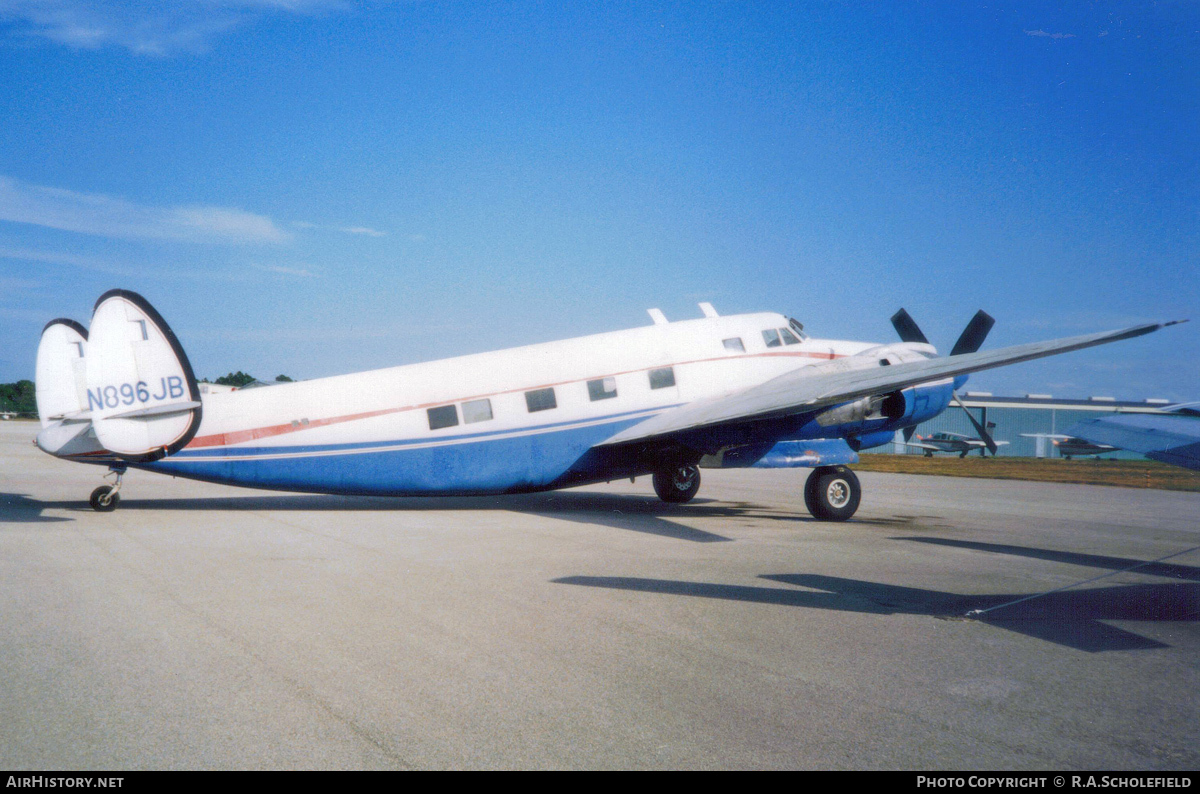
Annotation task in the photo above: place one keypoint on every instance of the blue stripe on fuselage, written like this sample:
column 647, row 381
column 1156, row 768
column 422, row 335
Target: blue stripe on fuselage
column 523, row 459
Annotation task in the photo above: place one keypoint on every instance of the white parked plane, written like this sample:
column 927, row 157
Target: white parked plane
column 958, row 443
column 1071, row 446
column 665, row 399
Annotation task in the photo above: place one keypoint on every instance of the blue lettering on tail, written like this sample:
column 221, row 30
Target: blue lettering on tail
column 176, row 384
column 95, row 400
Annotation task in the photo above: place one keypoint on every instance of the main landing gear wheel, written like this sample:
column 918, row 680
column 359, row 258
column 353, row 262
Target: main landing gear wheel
column 677, row 484
column 105, row 499
column 832, row 493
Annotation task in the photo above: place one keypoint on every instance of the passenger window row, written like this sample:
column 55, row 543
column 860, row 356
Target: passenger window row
column 538, row 400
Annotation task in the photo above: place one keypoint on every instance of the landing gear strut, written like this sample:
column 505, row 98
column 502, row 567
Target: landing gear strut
column 106, row 498
column 677, row 484
column 832, row 493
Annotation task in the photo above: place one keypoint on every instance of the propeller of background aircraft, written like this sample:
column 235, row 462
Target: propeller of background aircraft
column 969, row 341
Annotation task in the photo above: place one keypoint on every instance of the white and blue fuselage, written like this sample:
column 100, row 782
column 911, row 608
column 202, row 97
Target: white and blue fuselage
column 522, row 419
column 665, row 399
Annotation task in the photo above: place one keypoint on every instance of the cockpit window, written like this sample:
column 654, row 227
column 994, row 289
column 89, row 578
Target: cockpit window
column 798, row 328
column 771, row 337
column 788, row 339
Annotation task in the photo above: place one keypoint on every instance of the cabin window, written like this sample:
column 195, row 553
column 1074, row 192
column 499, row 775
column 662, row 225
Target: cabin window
column 477, row 411
column 540, row 400
column 662, row 378
column 602, row 389
column 771, row 337
column 734, row 344
column 788, row 339
column 442, row 416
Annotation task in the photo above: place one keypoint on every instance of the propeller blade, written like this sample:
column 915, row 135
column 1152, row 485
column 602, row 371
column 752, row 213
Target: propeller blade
column 974, row 334
column 984, row 436
column 907, row 328
column 908, row 432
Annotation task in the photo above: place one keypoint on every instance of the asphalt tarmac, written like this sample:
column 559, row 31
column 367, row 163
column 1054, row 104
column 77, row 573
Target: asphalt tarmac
column 202, row 626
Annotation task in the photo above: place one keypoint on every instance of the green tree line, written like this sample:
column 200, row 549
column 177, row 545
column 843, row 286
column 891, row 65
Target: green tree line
column 240, row 379
column 18, row 397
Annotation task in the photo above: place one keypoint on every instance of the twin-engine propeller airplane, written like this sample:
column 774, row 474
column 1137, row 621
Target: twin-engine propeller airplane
column 664, row 400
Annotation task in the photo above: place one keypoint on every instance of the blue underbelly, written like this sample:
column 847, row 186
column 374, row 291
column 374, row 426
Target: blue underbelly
column 528, row 460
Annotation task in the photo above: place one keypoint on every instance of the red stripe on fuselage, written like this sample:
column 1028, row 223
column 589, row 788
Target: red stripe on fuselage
column 242, row 436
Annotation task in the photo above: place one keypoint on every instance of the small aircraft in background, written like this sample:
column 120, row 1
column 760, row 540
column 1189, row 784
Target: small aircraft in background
column 953, row 442
column 1072, row 446
column 665, row 400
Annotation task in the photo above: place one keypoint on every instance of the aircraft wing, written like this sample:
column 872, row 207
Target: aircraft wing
column 925, row 446
column 1173, row 438
column 810, row 388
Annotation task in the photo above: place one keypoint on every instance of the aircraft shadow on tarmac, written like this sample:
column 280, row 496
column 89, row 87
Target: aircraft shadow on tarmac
column 630, row 512
column 1169, row 570
column 1070, row 618
column 20, row 509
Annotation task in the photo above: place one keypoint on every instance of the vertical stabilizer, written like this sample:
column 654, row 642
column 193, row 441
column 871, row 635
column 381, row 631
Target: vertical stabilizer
column 141, row 393
column 60, row 376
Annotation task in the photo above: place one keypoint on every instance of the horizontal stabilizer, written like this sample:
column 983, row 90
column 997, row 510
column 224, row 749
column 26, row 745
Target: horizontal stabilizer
column 140, row 387
column 157, row 411
column 74, row 417
column 65, row 439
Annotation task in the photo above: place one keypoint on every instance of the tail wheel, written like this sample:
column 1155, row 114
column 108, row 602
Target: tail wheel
column 677, row 484
column 104, row 499
column 832, row 493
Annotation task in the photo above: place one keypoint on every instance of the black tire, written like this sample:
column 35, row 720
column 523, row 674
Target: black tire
column 103, row 500
column 832, row 493
column 677, row 484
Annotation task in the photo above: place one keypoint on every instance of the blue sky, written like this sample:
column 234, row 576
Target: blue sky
column 313, row 187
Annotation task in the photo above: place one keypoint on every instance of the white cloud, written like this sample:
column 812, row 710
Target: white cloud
column 144, row 27
column 128, row 273
column 110, row 216
column 63, row 259
column 286, row 271
column 362, row 230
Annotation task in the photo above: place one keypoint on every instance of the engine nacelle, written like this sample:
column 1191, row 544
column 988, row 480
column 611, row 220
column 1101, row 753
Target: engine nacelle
column 915, row 405
column 852, row 413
